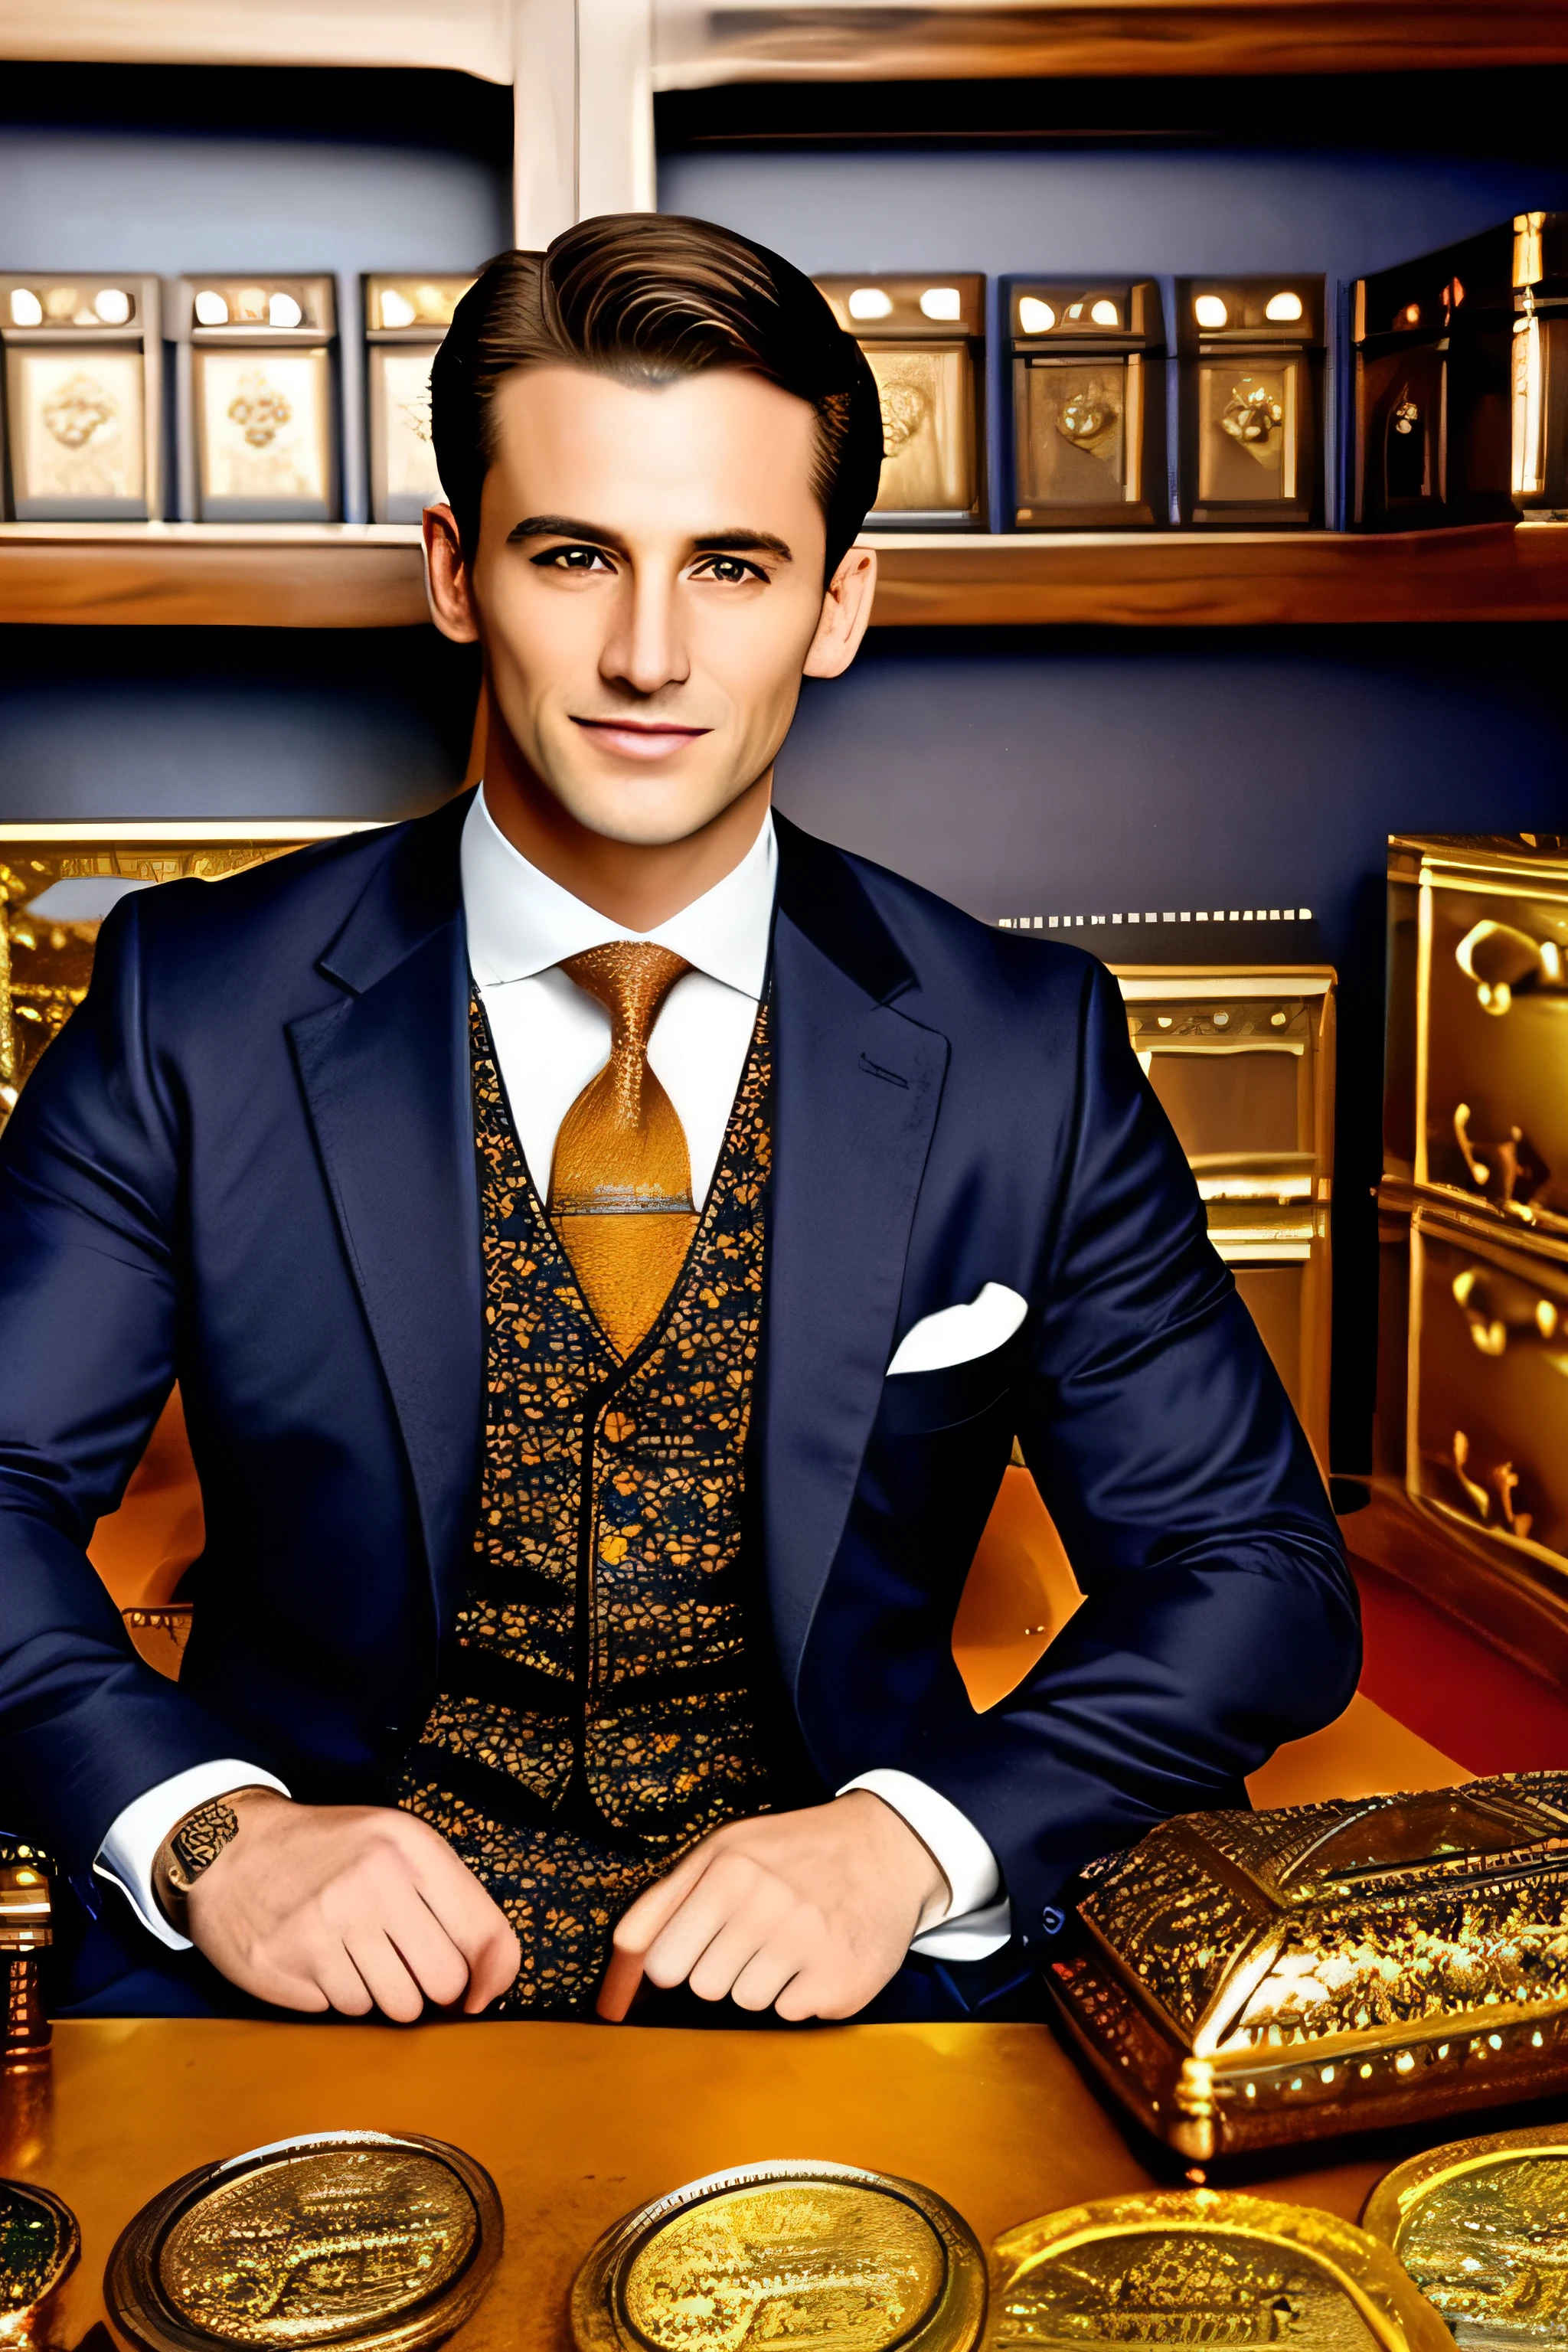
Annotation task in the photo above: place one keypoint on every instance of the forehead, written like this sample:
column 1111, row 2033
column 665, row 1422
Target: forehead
column 706, row 452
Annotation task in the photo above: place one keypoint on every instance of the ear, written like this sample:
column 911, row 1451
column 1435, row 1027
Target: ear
column 845, row 614
column 447, row 582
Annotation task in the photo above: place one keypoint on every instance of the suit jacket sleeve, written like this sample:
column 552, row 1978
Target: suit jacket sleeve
column 1220, row 1618
column 90, row 1186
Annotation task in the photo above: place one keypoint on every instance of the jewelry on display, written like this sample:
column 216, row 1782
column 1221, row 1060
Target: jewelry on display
column 1203, row 2266
column 798, row 2251
column 381, row 2243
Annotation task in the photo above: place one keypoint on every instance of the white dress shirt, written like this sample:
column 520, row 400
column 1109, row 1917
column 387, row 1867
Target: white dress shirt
column 550, row 1037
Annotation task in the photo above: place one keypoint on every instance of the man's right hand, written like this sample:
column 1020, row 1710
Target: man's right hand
column 350, row 1907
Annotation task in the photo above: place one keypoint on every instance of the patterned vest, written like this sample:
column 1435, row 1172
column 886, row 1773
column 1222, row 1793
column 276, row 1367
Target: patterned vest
column 605, row 1695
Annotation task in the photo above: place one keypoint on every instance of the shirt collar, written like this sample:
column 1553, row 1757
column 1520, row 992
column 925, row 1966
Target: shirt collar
column 520, row 923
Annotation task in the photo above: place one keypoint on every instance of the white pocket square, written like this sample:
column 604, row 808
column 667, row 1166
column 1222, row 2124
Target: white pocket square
column 958, row 1334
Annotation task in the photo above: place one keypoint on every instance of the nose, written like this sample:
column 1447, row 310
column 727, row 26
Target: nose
column 646, row 648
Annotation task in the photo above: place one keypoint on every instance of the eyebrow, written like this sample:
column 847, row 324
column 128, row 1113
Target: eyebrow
column 709, row 542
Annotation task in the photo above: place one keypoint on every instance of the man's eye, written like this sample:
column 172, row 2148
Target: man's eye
column 573, row 559
column 729, row 569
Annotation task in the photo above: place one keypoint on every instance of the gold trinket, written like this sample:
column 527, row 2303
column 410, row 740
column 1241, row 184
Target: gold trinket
column 39, row 2242
column 1482, row 2227
column 1202, row 2267
column 814, row 2254
column 1252, row 1980
column 385, row 2242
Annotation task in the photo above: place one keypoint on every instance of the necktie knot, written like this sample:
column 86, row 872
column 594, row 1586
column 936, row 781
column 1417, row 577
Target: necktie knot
column 631, row 978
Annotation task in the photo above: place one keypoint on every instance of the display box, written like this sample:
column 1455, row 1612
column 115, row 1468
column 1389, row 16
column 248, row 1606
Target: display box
column 1251, row 397
column 58, row 882
column 924, row 338
column 83, row 377
column 1088, row 404
column 1539, row 369
column 1433, row 353
column 1476, row 1096
column 257, row 399
column 1242, row 1062
column 404, row 320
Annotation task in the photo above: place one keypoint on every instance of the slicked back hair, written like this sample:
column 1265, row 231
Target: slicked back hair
column 647, row 297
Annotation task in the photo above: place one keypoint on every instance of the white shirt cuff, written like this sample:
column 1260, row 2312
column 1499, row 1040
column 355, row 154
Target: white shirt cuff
column 978, row 1920
column 129, row 1852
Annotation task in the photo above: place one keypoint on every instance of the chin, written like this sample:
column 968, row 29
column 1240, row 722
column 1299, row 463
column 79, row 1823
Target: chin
column 645, row 815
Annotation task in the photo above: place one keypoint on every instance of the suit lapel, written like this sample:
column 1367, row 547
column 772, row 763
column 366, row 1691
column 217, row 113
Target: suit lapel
column 386, row 1078
column 857, row 1086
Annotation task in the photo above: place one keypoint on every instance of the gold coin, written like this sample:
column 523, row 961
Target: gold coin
column 1205, row 2267
column 1482, row 2227
column 807, row 2255
column 355, row 2239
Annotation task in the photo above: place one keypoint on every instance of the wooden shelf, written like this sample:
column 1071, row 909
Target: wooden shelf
column 781, row 41
column 1493, row 571
column 241, row 575
column 344, row 576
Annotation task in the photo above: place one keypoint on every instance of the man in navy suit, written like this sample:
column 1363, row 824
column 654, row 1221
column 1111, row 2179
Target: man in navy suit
column 608, row 1243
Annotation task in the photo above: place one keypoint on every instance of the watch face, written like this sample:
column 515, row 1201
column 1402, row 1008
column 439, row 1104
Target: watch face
column 356, row 2238
column 807, row 2254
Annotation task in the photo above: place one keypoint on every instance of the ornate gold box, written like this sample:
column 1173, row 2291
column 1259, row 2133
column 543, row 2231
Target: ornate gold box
column 1088, row 404
column 925, row 341
column 1251, row 397
column 404, row 319
column 82, row 398
column 1243, row 1060
column 1246, row 1981
column 256, row 399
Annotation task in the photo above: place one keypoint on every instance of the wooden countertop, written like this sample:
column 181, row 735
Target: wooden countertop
column 578, row 2123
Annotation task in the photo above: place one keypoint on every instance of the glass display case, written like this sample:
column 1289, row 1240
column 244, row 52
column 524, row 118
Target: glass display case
column 924, row 339
column 1243, row 1060
column 83, row 407
column 256, row 399
column 1088, row 404
column 1473, row 1348
column 405, row 319
column 1251, row 399
column 1431, row 405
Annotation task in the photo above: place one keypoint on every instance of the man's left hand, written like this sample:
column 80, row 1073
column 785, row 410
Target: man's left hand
column 808, row 1913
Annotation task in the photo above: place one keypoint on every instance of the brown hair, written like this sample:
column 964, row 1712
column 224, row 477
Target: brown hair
column 649, row 297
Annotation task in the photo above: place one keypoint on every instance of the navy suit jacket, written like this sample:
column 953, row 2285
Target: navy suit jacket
column 248, row 1163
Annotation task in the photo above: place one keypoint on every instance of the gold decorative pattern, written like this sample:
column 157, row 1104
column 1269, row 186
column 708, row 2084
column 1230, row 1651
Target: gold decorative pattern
column 354, row 2237
column 597, row 1714
column 39, row 2242
column 1482, row 2227
column 815, row 2255
column 1202, row 2268
column 1245, row 1980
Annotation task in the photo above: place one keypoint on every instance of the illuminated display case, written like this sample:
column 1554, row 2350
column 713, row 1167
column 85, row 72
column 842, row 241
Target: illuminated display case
column 405, row 319
column 1243, row 1060
column 1432, row 401
column 58, row 882
column 1539, row 374
column 1251, row 400
column 1473, row 1349
column 924, row 338
column 82, row 399
column 1088, row 404
column 256, row 399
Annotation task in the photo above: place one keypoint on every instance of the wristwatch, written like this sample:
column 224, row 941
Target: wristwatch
column 192, row 1846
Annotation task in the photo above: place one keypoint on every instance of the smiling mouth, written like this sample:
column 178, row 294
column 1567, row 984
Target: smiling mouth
column 640, row 738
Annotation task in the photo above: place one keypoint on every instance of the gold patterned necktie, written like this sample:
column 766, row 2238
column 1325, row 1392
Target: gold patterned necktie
column 620, row 1182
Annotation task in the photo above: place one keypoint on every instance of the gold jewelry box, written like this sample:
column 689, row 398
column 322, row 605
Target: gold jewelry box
column 1245, row 1981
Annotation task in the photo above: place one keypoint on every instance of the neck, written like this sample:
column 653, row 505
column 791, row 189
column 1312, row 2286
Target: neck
column 634, row 885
